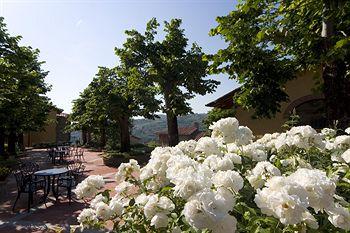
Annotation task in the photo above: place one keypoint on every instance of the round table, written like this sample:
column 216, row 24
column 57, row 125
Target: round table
column 47, row 174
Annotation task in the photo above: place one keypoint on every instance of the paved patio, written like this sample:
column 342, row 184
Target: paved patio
column 47, row 218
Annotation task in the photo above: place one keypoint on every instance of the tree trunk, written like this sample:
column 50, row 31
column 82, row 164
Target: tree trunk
column 11, row 144
column 84, row 136
column 173, row 131
column 124, row 134
column 21, row 142
column 88, row 137
column 103, row 137
column 2, row 144
column 336, row 85
column 337, row 93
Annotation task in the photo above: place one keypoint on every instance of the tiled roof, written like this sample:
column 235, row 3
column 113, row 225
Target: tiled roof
column 225, row 101
column 134, row 137
column 183, row 131
column 199, row 135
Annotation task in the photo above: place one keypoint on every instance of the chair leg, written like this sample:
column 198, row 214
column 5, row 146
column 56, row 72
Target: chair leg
column 69, row 192
column 30, row 197
column 14, row 204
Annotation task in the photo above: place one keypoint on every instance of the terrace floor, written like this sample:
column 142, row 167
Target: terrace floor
column 54, row 215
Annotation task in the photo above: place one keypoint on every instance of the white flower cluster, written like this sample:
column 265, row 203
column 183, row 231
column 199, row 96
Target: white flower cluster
column 347, row 130
column 197, row 185
column 289, row 197
column 127, row 170
column 262, row 172
column 229, row 131
column 156, row 209
column 300, row 136
column 209, row 209
column 155, row 171
column 89, row 187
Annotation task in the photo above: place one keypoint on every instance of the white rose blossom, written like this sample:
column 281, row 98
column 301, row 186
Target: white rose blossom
column 226, row 129
column 127, row 170
column 103, row 211
column 208, row 208
column 286, row 202
column 319, row 187
column 89, row 187
column 347, row 130
column 262, row 172
column 87, row 215
column 339, row 216
column 228, row 179
column 346, row 156
column 208, row 146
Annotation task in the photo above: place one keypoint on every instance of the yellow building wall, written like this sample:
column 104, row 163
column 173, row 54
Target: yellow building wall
column 47, row 135
column 296, row 88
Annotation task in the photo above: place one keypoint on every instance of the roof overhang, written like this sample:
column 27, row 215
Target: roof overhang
column 225, row 101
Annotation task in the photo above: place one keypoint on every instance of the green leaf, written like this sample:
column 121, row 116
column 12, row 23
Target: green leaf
column 342, row 43
column 260, row 36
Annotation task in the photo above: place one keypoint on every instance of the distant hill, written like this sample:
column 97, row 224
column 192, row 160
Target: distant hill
column 146, row 129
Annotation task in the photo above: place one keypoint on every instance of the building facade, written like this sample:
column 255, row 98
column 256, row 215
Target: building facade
column 308, row 104
column 52, row 133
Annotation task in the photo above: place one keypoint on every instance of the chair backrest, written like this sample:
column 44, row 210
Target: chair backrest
column 51, row 151
column 75, row 167
column 81, row 151
column 21, row 179
column 28, row 168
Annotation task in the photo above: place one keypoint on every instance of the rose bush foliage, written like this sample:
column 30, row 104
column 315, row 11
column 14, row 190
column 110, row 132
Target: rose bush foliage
column 296, row 181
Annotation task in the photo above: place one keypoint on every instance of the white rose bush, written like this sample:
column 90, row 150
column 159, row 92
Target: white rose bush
column 295, row 181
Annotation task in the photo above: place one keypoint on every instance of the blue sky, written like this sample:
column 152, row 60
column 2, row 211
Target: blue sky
column 77, row 36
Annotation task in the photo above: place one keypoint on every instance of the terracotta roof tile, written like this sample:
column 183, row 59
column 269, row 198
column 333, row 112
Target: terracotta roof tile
column 199, row 135
column 225, row 101
column 182, row 130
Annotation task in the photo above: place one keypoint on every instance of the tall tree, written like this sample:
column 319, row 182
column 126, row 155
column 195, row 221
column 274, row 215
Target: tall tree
column 23, row 104
column 78, row 120
column 177, row 71
column 90, row 111
column 132, row 96
column 114, row 95
column 270, row 41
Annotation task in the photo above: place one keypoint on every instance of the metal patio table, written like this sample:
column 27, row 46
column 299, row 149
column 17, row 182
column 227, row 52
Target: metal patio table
column 50, row 176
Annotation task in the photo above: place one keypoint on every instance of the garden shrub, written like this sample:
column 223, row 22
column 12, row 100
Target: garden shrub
column 295, row 181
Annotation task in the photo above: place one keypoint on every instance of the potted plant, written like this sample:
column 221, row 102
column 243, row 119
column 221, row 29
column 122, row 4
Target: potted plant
column 4, row 173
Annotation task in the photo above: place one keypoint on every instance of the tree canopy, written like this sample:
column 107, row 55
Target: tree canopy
column 269, row 42
column 110, row 100
column 23, row 104
column 178, row 71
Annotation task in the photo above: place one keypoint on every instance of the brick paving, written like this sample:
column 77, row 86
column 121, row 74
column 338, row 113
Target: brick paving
column 54, row 215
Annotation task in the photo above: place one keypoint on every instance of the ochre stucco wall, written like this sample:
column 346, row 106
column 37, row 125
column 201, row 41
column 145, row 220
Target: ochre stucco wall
column 297, row 88
column 47, row 135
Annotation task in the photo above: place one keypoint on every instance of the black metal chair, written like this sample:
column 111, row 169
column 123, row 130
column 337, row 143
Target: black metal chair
column 79, row 154
column 77, row 170
column 27, row 184
column 50, row 153
column 28, row 168
column 67, row 181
